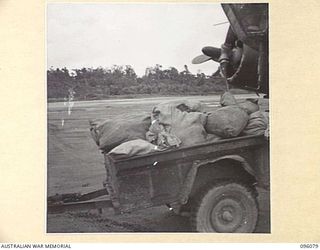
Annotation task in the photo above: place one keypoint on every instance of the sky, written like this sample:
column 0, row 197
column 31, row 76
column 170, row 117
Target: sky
column 141, row 35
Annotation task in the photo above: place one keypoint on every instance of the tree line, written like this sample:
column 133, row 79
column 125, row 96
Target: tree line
column 102, row 83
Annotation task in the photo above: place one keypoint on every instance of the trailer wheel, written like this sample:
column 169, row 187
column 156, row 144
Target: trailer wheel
column 225, row 208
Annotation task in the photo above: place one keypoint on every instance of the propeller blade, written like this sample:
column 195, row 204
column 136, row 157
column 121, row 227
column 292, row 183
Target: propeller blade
column 200, row 59
column 213, row 52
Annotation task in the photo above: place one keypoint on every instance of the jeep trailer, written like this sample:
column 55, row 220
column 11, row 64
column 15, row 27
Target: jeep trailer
column 213, row 182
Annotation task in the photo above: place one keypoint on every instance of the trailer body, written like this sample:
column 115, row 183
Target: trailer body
column 214, row 182
column 170, row 177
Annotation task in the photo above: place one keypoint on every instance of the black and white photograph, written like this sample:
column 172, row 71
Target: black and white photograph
column 157, row 118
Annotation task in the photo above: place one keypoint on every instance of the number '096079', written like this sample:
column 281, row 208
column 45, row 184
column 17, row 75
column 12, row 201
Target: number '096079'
column 309, row 245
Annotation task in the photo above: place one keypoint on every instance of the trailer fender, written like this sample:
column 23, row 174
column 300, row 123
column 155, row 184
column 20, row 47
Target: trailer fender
column 191, row 176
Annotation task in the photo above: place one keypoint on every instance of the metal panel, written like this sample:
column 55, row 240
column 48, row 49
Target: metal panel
column 135, row 190
column 200, row 151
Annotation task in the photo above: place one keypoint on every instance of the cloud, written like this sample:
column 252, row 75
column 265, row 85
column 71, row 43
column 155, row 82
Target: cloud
column 141, row 35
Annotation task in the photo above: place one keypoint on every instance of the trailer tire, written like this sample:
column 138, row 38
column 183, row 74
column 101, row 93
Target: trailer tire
column 225, row 208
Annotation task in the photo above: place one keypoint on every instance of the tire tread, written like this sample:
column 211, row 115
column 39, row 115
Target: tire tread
column 198, row 201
